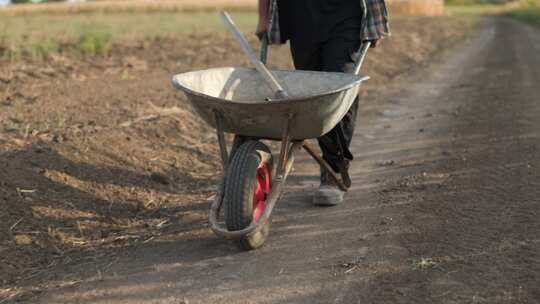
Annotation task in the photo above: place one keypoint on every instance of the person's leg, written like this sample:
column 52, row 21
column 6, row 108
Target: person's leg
column 332, row 56
column 306, row 56
column 336, row 56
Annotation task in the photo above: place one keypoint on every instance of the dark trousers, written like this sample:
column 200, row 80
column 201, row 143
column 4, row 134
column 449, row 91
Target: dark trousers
column 332, row 55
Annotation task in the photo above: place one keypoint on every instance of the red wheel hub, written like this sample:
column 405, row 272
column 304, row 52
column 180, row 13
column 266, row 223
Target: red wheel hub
column 260, row 192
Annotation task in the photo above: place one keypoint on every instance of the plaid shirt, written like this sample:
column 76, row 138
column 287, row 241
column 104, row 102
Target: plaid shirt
column 374, row 24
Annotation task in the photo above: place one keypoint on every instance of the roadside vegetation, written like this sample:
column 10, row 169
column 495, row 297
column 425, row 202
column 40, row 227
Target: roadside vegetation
column 523, row 10
column 37, row 35
column 529, row 12
column 478, row 2
column 38, row 30
column 481, row 7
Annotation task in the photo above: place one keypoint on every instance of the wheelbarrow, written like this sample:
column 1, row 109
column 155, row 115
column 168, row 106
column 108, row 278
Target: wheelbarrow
column 236, row 100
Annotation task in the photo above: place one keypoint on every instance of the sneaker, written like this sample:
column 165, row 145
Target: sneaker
column 329, row 193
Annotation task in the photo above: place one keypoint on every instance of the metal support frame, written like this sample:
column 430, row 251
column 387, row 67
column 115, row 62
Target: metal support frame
column 309, row 149
column 285, row 143
column 221, row 140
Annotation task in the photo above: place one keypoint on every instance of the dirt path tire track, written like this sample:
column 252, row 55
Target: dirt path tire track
column 444, row 207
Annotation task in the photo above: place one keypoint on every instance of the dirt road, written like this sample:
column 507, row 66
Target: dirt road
column 444, row 206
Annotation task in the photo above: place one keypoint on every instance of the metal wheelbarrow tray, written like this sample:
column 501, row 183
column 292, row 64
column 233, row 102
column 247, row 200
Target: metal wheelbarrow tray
column 234, row 100
column 319, row 102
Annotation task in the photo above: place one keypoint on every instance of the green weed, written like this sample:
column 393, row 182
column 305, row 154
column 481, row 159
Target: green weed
column 43, row 48
column 93, row 41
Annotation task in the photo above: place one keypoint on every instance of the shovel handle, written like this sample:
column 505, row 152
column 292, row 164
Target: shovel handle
column 268, row 76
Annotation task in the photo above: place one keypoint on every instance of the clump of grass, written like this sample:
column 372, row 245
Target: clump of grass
column 43, row 48
column 93, row 41
column 425, row 263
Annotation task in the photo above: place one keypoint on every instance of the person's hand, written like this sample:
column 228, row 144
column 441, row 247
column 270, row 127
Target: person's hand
column 376, row 43
column 262, row 26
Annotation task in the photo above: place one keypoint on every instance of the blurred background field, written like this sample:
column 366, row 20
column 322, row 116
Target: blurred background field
column 91, row 33
column 35, row 30
column 56, row 6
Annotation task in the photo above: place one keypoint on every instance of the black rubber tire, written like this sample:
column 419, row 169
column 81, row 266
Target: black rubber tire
column 238, row 193
column 237, row 142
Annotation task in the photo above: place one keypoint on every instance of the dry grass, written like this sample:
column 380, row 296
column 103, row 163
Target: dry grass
column 416, row 7
column 38, row 35
column 397, row 7
column 39, row 30
column 109, row 6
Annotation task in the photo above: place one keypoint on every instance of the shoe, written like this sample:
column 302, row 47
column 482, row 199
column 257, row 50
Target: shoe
column 329, row 193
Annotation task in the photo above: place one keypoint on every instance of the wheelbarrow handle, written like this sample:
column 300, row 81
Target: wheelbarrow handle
column 264, row 48
column 361, row 56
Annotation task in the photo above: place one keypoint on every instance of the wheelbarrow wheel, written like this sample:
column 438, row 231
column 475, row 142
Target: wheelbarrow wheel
column 246, row 189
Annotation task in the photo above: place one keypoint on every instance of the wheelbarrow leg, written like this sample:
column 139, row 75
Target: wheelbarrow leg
column 221, row 140
column 343, row 168
column 284, row 151
column 309, row 149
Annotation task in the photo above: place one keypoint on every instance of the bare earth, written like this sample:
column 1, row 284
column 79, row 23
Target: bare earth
column 444, row 206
